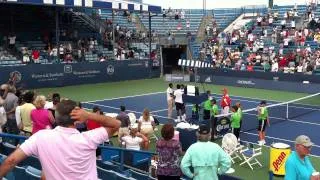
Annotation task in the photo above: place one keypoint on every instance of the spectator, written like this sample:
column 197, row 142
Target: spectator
column 10, row 104
column 35, row 56
column 93, row 124
column 70, row 154
column 250, row 67
column 41, row 118
column 3, row 116
column 170, row 99
column 298, row 165
column 146, row 124
column 61, row 52
column 54, row 54
column 12, row 41
column 25, row 111
column 135, row 140
column 51, row 106
column 206, row 158
column 125, row 123
column 169, row 151
column 18, row 112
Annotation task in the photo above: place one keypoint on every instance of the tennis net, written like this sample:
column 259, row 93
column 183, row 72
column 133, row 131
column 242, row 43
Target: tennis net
column 305, row 109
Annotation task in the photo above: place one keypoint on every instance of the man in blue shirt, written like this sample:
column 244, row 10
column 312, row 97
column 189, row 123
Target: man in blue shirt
column 298, row 166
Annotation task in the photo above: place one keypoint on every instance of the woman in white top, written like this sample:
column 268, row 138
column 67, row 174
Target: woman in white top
column 135, row 140
column 146, row 123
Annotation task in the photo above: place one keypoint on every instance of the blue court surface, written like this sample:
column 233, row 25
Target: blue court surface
column 302, row 119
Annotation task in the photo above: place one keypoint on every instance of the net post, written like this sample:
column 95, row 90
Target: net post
column 287, row 113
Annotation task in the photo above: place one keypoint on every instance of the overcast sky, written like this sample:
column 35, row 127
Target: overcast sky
column 197, row 4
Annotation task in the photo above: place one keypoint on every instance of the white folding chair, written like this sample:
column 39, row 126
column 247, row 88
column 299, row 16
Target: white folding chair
column 232, row 147
column 250, row 155
column 236, row 153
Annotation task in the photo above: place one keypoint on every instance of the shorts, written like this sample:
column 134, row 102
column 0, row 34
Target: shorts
column 206, row 114
column 225, row 110
column 236, row 132
column 179, row 106
column 262, row 125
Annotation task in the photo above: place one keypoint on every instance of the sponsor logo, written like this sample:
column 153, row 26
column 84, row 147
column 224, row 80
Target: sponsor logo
column 276, row 78
column 146, row 64
column 279, row 162
column 208, row 80
column 67, row 69
column 110, row 70
column 244, row 82
column 15, row 76
column 223, row 126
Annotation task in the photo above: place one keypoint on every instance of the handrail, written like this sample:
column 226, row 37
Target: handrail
column 14, row 136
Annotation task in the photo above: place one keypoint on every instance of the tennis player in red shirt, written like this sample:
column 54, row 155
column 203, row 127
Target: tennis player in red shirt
column 225, row 102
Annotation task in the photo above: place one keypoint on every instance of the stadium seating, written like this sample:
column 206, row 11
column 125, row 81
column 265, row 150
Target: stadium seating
column 33, row 173
column 165, row 25
column 224, row 17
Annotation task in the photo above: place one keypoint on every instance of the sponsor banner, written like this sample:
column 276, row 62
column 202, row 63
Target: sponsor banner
column 297, row 77
column 52, row 75
column 177, row 78
column 260, row 83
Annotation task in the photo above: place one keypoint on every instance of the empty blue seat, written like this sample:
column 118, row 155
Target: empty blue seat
column 33, row 173
column 138, row 175
column 106, row 174
column 19, row 173
column 108, row 165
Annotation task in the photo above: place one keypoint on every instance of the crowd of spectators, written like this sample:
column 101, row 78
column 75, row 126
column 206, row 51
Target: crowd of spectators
column 262, row 45
column 74, row 47
column 59, row 119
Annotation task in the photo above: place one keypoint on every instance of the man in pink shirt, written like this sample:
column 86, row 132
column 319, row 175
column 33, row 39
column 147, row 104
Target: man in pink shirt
column 64, row 152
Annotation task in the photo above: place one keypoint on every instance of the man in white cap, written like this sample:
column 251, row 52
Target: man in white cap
column 298, row 165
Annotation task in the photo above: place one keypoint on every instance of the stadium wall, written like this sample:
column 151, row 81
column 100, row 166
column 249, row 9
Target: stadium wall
column 261, row 80
column 57, row 75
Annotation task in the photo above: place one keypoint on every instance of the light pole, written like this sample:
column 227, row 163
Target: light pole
column 204, row 6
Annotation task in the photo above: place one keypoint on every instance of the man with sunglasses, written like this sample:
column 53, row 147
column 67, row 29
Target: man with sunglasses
column 298, row 166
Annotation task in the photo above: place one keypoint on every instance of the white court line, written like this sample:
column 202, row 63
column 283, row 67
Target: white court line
column 271, row 137
column 257, row 102
column 267, row 99
column 215, row 95
column 160, row 110
column 293, row 120
column 126, row 109
column 123, row 97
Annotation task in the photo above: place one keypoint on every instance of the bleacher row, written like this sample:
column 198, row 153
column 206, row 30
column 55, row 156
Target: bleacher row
column 30, row 168
column 115, row 163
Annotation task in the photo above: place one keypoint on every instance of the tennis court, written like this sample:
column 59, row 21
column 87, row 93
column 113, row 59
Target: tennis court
column 287, row 121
